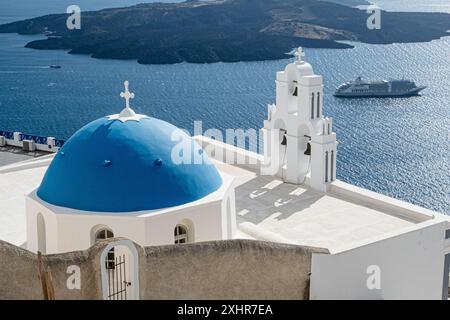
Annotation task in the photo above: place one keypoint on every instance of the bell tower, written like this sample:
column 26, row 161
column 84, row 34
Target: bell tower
column 299, row 145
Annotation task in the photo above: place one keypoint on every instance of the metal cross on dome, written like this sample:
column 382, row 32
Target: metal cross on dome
column 300, row 54
column 127, row 95
column 127, row 114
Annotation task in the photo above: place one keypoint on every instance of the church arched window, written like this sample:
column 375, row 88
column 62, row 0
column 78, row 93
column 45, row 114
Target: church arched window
column 181, row 234
column 104, row 233
column 312, row 106
column 318, row 104
column 326, row 166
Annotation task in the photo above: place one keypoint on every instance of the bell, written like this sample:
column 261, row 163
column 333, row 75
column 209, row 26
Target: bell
column 284, row 142
column 295, row 94
column 308, row 150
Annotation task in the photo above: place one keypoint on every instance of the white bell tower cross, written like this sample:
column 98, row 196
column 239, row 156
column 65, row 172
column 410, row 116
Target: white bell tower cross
column 299, row 144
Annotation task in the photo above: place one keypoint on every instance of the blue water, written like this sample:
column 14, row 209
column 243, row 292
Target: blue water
column 399, row 147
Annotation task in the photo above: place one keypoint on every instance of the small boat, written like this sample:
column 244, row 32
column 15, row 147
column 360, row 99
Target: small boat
column 55, row 67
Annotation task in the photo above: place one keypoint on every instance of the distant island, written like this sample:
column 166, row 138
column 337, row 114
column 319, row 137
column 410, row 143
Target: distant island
column 351, row 3
column 225, row 30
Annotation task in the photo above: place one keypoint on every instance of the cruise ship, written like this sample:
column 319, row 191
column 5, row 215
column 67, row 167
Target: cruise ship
column 393, row 88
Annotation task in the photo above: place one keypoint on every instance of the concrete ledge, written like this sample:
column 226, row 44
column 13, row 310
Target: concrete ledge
column 396, row 207
column 230, row 154
column 39, row 146
column 27, row 164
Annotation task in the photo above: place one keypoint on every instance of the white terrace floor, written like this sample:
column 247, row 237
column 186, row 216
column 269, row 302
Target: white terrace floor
column 303, row 216
column 10, row 155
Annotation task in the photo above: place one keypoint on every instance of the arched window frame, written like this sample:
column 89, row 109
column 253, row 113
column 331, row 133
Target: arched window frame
column 181, row 234
column 103, row 234
column 100, row 233
column 312, row 106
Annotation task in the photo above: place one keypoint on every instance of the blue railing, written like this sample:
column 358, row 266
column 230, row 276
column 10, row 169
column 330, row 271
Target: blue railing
column 59, row 143
column 37, row 139
column 7, row 134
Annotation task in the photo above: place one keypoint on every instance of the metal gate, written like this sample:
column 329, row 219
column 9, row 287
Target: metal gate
column 116, row 268
column 119, row 268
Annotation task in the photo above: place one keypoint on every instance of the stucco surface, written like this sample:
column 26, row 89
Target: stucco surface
column 237, row 269
column 19, row 273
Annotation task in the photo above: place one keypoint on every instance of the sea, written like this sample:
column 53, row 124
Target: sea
column 399, row 147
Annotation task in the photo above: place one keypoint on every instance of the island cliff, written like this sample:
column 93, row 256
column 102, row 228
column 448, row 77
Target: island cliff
column 224, row 30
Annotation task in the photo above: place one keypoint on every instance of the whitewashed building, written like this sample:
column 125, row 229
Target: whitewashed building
column 133, row 176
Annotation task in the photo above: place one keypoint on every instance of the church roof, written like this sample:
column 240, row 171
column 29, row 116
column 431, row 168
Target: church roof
column 124, row 163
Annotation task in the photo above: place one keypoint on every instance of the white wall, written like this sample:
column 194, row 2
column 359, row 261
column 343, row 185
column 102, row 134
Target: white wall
column 33, row 209
column 74, row 231
column 229, row 207
column 206, row 220
column 411, row 265
column 71, row 232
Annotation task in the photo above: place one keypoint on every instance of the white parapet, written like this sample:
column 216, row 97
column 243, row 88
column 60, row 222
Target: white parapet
column 28, row 145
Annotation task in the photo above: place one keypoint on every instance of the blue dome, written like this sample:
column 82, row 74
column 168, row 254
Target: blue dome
column 115, row 166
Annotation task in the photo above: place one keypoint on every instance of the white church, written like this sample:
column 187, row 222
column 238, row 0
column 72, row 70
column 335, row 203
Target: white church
column 121, row 176
column 117, row 177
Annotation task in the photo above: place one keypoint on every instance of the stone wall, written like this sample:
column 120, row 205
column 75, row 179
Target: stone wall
column 237, row 269
column 19, row 273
